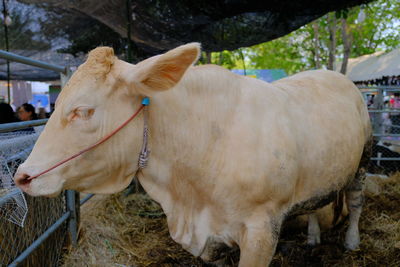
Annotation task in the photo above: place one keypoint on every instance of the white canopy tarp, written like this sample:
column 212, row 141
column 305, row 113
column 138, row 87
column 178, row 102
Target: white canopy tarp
column 374, row 66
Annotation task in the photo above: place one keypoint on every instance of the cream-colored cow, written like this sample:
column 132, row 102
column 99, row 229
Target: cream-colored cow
column 230, row 157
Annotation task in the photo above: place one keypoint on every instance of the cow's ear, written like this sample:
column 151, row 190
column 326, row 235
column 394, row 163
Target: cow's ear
column 163, row 72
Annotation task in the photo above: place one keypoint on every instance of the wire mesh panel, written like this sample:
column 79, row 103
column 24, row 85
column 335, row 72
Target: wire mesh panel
column 384, row 109
column 22, row 218
column 14, row 148
column 15, row 239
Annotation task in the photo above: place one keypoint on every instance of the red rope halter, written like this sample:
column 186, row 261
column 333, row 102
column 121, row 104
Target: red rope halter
column 105, row 138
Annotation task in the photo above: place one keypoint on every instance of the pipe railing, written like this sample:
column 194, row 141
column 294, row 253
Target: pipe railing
column 9, row 196
column 28, row 61
column 9, row 127
column 389, row 88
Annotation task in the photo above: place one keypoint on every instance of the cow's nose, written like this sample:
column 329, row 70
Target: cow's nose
column 22, row 180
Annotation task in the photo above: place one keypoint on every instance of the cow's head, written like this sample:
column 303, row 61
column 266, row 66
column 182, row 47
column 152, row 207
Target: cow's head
column 101, row 95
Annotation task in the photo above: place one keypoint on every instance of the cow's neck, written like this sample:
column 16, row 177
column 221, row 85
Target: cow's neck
column 188, row 122
column 187, row 126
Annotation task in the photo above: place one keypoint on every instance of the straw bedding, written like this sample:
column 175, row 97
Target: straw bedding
column 131, row 231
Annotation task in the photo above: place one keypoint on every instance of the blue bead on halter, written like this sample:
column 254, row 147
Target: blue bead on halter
column 146, row 101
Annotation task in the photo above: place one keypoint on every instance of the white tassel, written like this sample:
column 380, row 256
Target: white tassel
column 145, row 152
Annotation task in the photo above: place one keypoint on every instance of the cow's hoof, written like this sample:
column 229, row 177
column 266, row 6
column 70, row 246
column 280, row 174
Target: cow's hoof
column 351, row 247
column 313, row 240
column 352, row 241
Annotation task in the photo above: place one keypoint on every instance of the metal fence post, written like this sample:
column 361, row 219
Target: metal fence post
column 71, row 197
column 378, row 117
column 64, row 77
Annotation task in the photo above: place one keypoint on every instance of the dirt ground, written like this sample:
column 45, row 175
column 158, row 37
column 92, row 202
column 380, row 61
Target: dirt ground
column 132, row 231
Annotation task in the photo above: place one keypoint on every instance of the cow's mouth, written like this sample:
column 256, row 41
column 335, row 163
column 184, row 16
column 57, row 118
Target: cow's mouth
column 34, row 187
column 23, row 181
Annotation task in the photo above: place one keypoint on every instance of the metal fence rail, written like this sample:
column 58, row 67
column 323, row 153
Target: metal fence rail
column 8, row 127
column 8, row 197
column 25, row 60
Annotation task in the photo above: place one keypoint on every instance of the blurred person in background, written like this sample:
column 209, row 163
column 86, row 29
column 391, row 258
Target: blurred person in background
column 395, row 116
column 26, row 112
column 386, row 121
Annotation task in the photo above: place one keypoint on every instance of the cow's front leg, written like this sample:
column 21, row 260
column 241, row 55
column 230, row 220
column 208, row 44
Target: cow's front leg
column 258, row 242
column 314, row 233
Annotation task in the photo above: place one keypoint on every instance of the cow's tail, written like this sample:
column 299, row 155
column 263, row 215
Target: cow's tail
column 337, row 206
column 367, row 154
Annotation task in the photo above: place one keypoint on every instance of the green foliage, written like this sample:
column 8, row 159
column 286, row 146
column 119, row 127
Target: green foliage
column 227, row 59
column 283, row 53
column 379, row 30
column 296, row 51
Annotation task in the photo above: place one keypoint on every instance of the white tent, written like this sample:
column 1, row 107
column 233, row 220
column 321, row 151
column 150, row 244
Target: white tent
column 374, row 66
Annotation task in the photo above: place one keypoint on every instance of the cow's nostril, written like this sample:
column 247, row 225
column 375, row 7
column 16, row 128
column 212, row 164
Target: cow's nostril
column 22, row 179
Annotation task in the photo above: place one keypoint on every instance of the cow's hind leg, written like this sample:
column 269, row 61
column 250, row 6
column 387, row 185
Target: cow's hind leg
column 354, row 201
column 258, row 242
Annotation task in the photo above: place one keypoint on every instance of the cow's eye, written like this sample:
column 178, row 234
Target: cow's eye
column 83, row 113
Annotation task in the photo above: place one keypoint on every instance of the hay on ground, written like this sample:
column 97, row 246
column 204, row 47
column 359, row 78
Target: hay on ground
column 132, row 231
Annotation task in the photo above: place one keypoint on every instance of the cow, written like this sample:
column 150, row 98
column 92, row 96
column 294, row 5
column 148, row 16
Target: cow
column 230, row 156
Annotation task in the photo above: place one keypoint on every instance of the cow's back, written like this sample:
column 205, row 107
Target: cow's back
column 291, row 140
